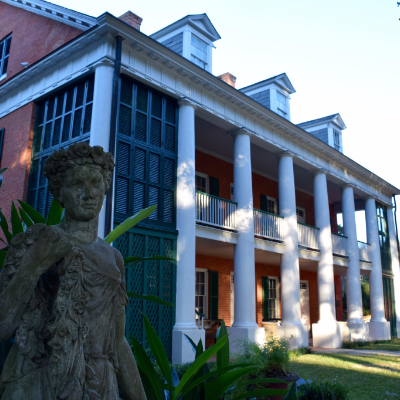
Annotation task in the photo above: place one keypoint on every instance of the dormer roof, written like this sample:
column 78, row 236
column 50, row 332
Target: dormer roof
column 200, row 22
column 334, row 118
column 281, row 80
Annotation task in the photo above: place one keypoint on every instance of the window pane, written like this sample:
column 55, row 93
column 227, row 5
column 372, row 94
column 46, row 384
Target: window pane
column 8, row 47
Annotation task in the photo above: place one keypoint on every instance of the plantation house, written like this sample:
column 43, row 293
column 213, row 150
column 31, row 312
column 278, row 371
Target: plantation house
column 247, row 200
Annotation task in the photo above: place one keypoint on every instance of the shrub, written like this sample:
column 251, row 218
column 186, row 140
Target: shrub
column 323, row 390
column 362, row 343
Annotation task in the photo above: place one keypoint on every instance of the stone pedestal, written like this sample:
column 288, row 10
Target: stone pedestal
column 379, row 330
column 358, row 331
column 236, row 335
column 327, row 335
column 182, row 350
column 296, row 333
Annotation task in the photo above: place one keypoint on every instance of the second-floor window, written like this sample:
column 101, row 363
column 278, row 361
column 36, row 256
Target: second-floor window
column 4, row 56
column 336, row 140
column 281, row 104
column 202, row 182
column 199, row 52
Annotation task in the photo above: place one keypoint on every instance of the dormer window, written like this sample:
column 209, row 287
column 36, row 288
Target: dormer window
column 281, row 104
column 4, row 55
column 336, row 140
column 199, row 52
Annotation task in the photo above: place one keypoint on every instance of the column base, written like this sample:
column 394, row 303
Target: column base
column 182, row 351
column 255, row 334
column 358, row 331
column 379, row 330
column 296, row 334
column 327, row 335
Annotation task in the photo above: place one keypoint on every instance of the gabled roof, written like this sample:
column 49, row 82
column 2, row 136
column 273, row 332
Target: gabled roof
column 281, row 80
column 56, row 12
column 334, row 118
column 200, row 22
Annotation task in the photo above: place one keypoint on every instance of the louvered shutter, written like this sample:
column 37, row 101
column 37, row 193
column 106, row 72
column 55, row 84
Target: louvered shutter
column 213, row 294
column 1, row 142
column 214, row 186
column 265, row 297
column 264, row 203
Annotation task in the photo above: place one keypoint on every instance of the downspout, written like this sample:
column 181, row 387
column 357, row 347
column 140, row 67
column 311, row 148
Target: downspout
column 395, row 223
column 113, row 129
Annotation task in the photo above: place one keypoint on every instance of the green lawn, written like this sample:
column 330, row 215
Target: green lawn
column 391, row 345
column 367, row 377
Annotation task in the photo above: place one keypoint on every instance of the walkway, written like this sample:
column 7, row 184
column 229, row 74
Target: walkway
column 354, row 352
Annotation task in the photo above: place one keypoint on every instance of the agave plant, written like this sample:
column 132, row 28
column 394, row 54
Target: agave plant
column 198, row 382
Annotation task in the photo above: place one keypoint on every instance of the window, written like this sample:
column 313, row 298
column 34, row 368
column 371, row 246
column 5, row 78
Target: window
column 199, row 52
column 4, row 55
column 61, row 119
column 384, row 244
column 201, row 291
column 1, row 142
column 273, row 306
column 301, row 215
column 146, row 154
column 268, row 204
column 281, row 104
column 336, row 140
column 202, row 182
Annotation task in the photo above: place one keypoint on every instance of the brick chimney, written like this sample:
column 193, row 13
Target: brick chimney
column 228, row 78
column 131, row 19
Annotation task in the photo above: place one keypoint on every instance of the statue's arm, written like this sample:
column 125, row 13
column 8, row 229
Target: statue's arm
column 39, row 257
column 128, row 376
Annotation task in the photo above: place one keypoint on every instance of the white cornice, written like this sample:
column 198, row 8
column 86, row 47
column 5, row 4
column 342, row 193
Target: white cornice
column 55, row 12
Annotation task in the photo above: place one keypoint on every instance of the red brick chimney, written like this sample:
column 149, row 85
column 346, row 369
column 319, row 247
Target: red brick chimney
column 131, row 19
column 228, row 78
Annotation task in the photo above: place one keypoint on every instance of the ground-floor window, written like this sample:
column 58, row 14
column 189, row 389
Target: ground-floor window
column 270, row 285
column 201, row 291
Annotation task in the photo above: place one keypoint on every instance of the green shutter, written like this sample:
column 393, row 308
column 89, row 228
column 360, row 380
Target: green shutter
column 214, row 186
column 264, row 203
column 213, row 294
column 265, row 297
column 1, row 142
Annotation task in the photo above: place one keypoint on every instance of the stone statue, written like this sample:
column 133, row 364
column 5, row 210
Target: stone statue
column 62, row 293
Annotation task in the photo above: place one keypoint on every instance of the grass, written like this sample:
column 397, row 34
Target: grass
column 367, row 377
column 389, row 345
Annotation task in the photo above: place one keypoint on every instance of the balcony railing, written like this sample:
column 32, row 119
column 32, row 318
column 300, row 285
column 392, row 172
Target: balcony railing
column 339, row 244
column 364, row 251
column 268, row 225
column 308, row 236
column 212, row 210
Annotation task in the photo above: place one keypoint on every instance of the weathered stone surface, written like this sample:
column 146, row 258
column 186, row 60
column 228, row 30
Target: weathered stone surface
column 62, row 294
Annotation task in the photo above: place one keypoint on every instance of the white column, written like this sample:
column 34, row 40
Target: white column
column 355, row 322
column 186, row 244
column 290, row 275
column 395, row 265
column 326, row 332
column 379, row 328
column 101, row 117
column 245, row 324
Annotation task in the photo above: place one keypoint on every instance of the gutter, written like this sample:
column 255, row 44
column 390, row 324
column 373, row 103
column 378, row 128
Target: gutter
column 113, row 130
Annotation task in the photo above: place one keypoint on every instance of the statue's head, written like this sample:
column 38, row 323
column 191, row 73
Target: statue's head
column 79, row 178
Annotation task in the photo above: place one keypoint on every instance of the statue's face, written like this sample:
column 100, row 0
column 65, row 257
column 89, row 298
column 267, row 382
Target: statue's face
column 82, row 192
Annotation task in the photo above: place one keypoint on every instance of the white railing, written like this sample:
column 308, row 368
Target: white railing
column 364, row 251
column 308, row 236
column 339, row 244
column 212, row 210
column 268, row 225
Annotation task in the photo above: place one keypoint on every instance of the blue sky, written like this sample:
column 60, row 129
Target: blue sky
column 341, row 56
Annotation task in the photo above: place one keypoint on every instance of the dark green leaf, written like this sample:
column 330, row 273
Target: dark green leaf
column 192, row 344
column 25, row 218
column 2, row 170
column 55, row 213
column 158, row 351
column 261, row 393
column 35, row 216
column 16, row 224
column 4, row 227
column 149, row 297
column 292, row 394
column 128, row 223
column 3, row 254
column 216, row 388
column 223, row 354
column 153, row 384
column 134, row 260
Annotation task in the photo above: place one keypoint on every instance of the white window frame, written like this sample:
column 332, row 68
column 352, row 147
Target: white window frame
column 337, row 134
column 275, row 204
column 205, row 62
column 305, row 215
column 206, row 177
column 277, row 302
column 3, row 56
column 282, row 112
column 205, row 304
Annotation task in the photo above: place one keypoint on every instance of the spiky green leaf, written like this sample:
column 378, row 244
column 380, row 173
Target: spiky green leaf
column 55, row 213
column 223, row 353
column 25, row 218
column 4, row 227
column 16, row 224
column 35, row 216
column 149, row 297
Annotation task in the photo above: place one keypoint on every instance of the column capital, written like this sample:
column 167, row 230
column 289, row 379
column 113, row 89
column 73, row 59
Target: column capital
column 346, row 185
column 184, row 101
column 284, row 153
column 104, row 62
column 239, row 130
column 318, row 171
